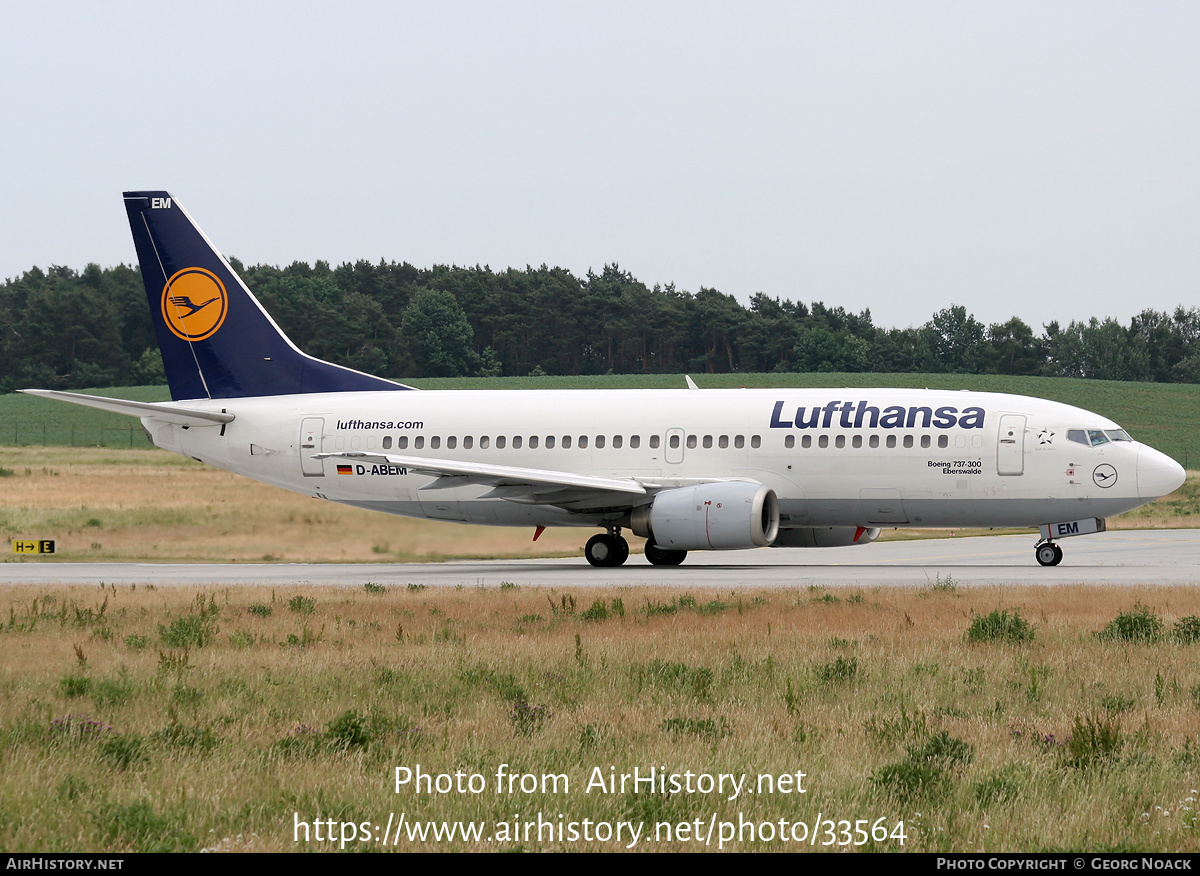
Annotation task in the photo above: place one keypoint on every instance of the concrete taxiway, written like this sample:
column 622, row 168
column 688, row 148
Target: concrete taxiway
column 1142, row 557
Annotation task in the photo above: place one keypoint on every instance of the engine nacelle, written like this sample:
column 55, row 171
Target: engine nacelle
column 825, row 536
column 710, row 517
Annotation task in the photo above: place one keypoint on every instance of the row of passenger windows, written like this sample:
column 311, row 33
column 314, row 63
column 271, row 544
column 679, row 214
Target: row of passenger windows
column 806, row 441
column 674, row 441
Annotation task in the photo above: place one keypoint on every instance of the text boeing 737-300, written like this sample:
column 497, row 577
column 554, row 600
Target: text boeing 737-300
column 687, row 469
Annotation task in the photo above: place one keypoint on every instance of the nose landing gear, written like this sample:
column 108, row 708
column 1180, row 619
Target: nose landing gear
column 1048, row 553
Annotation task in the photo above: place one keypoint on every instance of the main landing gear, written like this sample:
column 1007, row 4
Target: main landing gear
column 607, row 549
column 1048, row 553
column 610, row 549
column 663, row 557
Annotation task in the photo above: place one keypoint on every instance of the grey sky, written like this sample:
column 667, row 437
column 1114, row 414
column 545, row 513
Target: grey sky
column 1031, row 159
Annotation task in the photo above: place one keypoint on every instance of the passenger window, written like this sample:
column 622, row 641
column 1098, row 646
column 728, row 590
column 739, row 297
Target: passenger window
column 739, row 442
column 435, row 442
column 566, row 442
column 599, row 442
column 691, row 442
column 419, row 443
column 517, row 442
column 943, row 442
column 925, row 442
column 583, row 442
column 549, row 442
column 387, row 442
column 674, row 442
column 402, row 442
column 707, row 442
column 840, row 441
column 484, row 441
column 468, row 442
column 618, row 441
column 874, row 442
column 908, row 441
column 451, row 442
column 635, row 441
column 806, row 441
column 755, row 441
column 533, row 442
column 891, row 440
column 823, row 441
column 723, row 441
column 857, row 441
column 501, row 440
column 654, row 442
column 789, row 442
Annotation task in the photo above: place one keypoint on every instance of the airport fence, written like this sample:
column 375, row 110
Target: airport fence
column 72, row 434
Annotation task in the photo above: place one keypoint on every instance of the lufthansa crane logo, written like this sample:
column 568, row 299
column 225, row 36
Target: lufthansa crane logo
column 1104, row 476
column 194, row 304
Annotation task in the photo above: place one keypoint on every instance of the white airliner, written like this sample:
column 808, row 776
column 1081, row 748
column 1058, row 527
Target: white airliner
column 687, row 469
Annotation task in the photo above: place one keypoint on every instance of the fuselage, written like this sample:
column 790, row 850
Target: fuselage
column 833, row 457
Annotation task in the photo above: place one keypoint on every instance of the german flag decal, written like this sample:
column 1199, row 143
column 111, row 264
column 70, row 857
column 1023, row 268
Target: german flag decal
column 346, row 469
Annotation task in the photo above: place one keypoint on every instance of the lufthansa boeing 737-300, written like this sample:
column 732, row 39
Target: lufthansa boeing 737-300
column 687, row 469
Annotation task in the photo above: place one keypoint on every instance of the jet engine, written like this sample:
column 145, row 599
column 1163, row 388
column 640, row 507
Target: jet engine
column 731, row 515
column 825, row 536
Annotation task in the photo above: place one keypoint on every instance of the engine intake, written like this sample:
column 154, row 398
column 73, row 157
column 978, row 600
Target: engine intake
column 731, row 515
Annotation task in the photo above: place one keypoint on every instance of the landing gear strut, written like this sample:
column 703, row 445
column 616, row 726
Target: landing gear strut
column 607, row 549
column 1048, row 553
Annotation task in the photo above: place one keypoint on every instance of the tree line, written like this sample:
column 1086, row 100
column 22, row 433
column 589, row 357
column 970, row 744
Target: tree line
column 63, row 329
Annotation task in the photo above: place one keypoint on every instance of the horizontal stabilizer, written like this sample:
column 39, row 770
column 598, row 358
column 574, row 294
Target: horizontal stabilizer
column 159, row 410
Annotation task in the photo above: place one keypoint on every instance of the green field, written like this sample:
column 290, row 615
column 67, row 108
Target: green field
column 1163, row 415
column 27, row 419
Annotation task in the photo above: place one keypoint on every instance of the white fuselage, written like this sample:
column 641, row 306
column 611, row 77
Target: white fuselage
column 834, row 457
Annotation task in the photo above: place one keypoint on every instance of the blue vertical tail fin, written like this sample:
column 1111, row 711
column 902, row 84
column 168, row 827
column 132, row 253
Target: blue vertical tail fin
column 217, row 341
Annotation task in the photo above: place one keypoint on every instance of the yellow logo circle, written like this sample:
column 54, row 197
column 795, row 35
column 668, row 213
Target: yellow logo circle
column 194, row 303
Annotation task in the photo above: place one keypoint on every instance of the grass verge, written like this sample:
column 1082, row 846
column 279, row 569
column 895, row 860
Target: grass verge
column 143, row 719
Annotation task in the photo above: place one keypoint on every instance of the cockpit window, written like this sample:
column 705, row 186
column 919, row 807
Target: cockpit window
column 1096, row 437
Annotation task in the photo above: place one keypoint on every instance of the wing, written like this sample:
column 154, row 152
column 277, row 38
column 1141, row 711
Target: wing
column 534, row 486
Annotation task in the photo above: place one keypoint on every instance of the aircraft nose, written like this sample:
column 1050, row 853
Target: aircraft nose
column 1157, row 474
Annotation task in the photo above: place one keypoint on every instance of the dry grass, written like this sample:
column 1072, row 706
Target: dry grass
column 148, row 505
column 842, row 686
